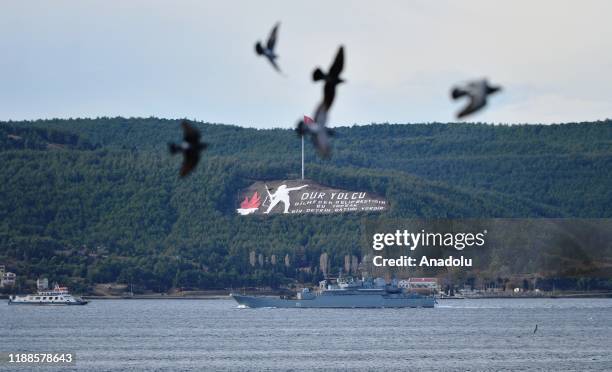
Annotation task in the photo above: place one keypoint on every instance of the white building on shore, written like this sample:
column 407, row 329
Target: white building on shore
column 42, row 284
column 7, row 278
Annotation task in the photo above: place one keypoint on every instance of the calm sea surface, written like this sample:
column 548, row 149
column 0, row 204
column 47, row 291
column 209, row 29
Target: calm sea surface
column 190, row 335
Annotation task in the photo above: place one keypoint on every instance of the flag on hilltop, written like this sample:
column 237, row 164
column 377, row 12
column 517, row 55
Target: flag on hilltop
column 308, row 120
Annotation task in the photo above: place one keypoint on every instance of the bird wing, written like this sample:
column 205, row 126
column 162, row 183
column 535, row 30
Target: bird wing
column 476, row 103
column 329, row 93
column 272, row 37
column 320, row 134
column 190, row 160
column 336, row 67
column 322, row 144
column 190, row 134
column 273, row 63
column 320, row 116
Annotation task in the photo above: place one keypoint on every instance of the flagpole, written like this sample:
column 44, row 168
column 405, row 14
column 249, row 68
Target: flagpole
column 302, row 157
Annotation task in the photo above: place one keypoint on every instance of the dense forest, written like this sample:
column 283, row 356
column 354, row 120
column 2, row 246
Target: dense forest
column 85, row 201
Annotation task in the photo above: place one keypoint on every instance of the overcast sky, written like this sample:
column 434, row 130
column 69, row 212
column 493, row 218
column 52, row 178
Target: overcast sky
column 195, row 59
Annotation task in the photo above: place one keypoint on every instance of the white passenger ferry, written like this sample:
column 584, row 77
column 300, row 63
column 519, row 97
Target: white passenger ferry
column 57, row 296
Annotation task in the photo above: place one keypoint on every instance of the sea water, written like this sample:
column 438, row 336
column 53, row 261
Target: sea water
column 191, row 335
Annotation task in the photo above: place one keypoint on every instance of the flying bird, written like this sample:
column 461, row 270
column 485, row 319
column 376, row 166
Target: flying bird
column 477, row 92
column 190, row 147
column 268, row 50
column 536, row 329
column 332, row 78
column 317, row 127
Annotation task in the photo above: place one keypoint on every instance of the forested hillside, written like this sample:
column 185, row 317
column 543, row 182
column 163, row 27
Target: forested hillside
column 87, row 201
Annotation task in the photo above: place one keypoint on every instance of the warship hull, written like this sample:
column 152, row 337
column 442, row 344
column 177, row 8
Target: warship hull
column 350, row 301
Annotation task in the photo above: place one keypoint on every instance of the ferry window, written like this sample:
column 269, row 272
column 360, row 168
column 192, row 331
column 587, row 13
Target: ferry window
column 44, row 298
column 37, row 298
column 56, row 298
column 62, row 298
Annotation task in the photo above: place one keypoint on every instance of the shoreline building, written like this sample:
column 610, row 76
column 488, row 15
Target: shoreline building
column 42, row 284
column 7, row 278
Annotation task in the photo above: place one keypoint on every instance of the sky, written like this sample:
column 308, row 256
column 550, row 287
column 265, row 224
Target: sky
column 195, row 59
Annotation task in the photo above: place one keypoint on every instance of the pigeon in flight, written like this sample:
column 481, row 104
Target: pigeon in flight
column 332, row 78
column 190, row 147
column 477, row 92
column 268, row 50
column 317, row 127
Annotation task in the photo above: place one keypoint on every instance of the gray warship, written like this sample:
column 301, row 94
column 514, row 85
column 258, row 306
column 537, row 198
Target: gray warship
column 345, row 293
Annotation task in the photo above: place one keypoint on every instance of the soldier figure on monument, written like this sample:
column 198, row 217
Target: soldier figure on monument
column 281, row 195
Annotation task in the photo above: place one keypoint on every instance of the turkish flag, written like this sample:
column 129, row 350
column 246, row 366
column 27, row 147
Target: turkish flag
column 308, row 120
